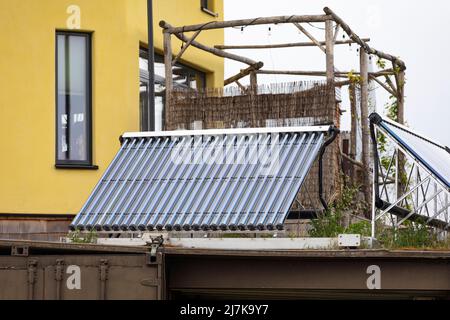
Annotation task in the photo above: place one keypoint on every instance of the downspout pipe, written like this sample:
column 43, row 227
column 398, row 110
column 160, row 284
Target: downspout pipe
column 333, row 133
column 375, row 118
column 151, row 67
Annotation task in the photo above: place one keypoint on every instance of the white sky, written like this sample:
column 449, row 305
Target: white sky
column 415, row 31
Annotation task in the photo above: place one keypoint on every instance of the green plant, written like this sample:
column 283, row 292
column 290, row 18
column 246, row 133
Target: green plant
column 408, row 235
column 353, row 78
column 77, row 236
column 330, row 223
column 362, row 227
column 381, row 63
column 327, row 225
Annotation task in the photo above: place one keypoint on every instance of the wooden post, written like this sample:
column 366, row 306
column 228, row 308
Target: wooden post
column 400, row 79
column 253, row 90
column 253, row 83
column 354, row 117
column 364, row 61
column 401, row 97
column 168, row 74
column 354, row 126
column 329, row 36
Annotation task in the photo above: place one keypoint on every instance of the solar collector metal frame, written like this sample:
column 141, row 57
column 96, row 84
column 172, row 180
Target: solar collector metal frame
column 426, row 175
column 142, row 191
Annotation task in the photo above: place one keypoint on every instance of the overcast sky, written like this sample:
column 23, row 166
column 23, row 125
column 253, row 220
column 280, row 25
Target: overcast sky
column 415, row 31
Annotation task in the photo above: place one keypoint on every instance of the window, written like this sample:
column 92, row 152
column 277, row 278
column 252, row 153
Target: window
column 207, row 6
column 183, row 77
column 73, row 100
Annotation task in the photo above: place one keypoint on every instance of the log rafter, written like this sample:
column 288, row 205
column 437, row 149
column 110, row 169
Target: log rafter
column 282, row 45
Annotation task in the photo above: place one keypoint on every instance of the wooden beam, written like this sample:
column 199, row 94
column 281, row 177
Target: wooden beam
column 384, row 86
column 243, row 73
column 354, row 162
column 340, row 74
column 391, row 84
column 310, row 36
column 244, row 23
column 364, row 45
column 336, row 33
column 185, row 46
column 329, row 50
column 217, row 52
column 343, row 83
column 244, row 89
column 283, row 45
column 293, row 73
column 387, row 72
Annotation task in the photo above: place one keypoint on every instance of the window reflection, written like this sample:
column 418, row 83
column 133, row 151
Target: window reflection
column 183, row 77
column 73, row 101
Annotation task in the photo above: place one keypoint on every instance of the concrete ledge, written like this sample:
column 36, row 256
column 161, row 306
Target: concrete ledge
column 255, row 243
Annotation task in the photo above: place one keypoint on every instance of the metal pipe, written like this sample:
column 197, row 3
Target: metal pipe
column 151, row 66
column 334, row 133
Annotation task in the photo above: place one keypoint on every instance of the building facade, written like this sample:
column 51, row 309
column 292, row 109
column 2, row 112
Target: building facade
column 73, row 79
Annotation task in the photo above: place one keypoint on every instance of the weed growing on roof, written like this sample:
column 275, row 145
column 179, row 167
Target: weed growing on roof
column 78, row 237
column 331, row 222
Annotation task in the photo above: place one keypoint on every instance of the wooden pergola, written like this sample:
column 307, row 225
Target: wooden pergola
column 394, row 77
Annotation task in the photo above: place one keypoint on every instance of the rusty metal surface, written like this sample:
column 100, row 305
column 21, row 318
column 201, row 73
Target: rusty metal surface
column 130, row 273
column 108, row 276
column 71, row 247
column 369, row 253
column 401, row 274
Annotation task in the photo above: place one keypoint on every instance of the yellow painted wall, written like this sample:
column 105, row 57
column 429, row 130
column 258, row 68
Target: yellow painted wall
column 29, row 182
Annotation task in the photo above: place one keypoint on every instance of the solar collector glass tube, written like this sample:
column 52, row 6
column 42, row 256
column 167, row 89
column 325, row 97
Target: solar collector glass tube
column 226, row 206
column 245, row 191
column 303, row 165
column 279, row 182
column 120, row 193
column 159, row 190
column 100, row 201
column 204, row 187
column 153, row 168
column 172, row 189
column 204, row 207
column 80, row 218
column 114, row 192
column 129, row 196
column 197, row 173
column 255, row 194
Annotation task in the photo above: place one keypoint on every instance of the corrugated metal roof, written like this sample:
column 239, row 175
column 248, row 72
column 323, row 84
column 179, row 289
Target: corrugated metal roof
column 212, row 180
column 435, row 157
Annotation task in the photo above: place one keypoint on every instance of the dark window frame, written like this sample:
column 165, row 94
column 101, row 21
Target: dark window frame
column 76, row 164
column 206, row 8
column 159, row 58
